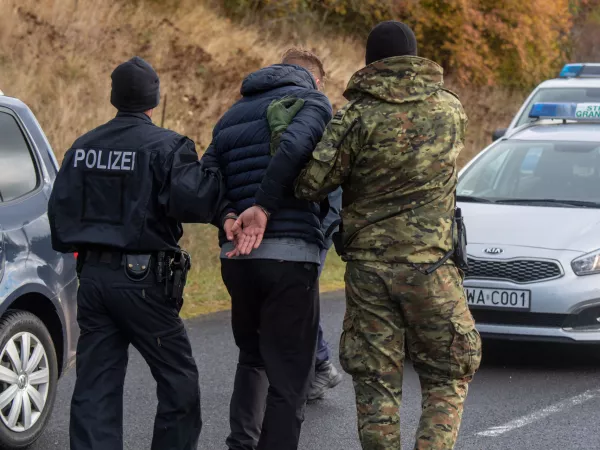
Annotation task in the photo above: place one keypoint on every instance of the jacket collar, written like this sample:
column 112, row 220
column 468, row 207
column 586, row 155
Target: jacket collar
column 397, row 80
column 277, row 76
column 131, row 116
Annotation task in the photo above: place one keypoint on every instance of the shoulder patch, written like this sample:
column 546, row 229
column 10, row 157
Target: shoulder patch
column 339, row 116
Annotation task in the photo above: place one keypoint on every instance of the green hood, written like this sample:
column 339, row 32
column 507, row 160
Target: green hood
column 397, row 80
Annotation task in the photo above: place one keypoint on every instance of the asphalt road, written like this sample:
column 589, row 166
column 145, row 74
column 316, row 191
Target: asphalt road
column 525, row 396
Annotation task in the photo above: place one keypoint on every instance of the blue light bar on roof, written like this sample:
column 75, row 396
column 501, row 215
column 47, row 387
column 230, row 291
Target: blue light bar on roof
column 580, row 70
column 571, row 70
column 553, row 110
column 565, row 111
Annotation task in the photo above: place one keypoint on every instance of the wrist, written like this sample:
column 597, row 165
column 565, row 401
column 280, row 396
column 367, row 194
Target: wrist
column 229, row 216
column 265, row 210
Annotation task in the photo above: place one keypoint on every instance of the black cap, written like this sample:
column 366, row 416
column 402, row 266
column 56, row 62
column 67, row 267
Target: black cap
column 389, row 39
column 135, row 86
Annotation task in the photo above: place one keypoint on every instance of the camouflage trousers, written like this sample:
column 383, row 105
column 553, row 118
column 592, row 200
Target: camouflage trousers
column 391, row 307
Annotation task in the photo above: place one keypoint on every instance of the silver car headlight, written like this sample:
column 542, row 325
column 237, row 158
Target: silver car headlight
column 587, row 264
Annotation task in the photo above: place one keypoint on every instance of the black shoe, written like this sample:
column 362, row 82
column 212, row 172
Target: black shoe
column 326, row 377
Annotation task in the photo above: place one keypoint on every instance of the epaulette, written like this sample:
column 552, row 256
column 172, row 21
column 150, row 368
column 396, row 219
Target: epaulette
column 451, row 92
column 338, row 118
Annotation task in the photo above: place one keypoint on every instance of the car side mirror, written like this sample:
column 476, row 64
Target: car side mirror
column 498, row 133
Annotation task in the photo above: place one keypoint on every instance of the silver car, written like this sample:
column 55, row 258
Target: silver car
column 531, row 203
column 38, row 286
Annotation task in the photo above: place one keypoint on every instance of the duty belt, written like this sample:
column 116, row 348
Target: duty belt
column 112, row 258
column 170, row 268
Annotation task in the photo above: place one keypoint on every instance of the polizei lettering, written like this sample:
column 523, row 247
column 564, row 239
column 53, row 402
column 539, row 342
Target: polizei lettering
column 105, row 159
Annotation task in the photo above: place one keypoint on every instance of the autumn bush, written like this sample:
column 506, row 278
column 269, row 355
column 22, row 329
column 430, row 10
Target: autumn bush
column 586, row 30
column 513, row 43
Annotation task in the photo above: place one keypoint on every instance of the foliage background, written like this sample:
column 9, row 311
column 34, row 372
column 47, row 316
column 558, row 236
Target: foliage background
column 57, row 56
column 486, row 42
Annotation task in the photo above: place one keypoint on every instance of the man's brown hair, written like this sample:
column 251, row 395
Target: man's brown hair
column 304, row 58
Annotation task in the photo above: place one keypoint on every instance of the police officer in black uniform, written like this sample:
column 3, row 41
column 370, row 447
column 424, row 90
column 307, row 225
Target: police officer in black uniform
column 120, row 198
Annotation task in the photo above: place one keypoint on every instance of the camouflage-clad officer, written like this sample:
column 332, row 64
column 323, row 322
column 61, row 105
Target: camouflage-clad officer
column 393, row 149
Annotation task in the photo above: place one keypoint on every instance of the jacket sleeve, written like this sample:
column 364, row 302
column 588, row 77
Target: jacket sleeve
column 193, row 191
column 295, row 147
column 210, row 160
column 55, row 205
column 335, row 209
column 333, row 215
column 333, row 158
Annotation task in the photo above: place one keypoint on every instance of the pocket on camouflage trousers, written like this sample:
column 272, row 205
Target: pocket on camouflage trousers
column 465, row 350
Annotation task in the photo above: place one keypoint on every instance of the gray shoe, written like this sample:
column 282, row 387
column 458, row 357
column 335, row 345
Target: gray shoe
column 326, row 377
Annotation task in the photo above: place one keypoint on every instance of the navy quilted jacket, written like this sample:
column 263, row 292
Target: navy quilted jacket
column 241, row 149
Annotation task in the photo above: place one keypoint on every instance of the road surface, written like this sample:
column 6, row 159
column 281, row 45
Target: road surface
column 525, row 396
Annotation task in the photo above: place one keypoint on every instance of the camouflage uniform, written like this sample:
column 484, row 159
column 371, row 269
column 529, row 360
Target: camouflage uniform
column 393, row 149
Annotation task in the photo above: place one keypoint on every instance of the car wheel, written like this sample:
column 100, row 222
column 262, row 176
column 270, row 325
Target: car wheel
column 28, row 378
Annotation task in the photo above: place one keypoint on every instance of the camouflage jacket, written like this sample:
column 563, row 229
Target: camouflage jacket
column 393, row 149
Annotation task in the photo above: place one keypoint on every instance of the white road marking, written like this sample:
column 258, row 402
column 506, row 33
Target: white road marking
column 541, row 414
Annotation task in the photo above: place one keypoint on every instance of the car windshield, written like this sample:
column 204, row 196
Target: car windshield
column 562, row 95
column 540, row 173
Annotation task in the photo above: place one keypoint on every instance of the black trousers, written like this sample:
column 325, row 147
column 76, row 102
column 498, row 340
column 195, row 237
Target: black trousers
column 114, row 312
column 275, row 319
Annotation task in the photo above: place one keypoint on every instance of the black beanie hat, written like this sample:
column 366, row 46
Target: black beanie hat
column 390, row 39
column 135, row 86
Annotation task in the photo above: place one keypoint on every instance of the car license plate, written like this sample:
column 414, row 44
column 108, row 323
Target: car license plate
column 498, row 298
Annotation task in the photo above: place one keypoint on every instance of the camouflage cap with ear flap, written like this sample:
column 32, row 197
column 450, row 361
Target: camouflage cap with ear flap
column 280, row 114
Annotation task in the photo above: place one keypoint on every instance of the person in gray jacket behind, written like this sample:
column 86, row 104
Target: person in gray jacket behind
column 326, row 375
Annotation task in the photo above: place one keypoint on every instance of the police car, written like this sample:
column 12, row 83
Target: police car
column 531, row 203
column 578, row 83
column 38, row 286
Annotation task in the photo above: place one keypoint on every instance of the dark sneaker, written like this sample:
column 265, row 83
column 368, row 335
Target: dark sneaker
column 326, row 377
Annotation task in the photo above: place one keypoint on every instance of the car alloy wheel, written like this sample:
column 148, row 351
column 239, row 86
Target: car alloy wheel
column 24, row 381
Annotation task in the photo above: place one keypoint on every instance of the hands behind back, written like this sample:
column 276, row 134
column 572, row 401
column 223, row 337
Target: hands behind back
column 247, row 231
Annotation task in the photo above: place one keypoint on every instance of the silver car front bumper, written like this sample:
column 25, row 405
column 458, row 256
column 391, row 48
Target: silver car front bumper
column 565, row 308
column 527, row 333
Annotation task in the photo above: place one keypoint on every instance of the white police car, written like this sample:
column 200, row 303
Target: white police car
column 531, row 202
column 579, row 83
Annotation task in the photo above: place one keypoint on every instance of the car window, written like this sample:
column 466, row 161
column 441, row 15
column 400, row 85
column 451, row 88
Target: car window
column 560, row 95
column 18, row 174
column 531, row 160
column 484, row 179
column 535, row 170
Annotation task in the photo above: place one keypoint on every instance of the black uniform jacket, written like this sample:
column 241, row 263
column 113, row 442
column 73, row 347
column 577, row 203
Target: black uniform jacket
column 129, row 185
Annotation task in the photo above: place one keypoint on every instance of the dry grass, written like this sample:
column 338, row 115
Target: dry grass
column 57, row 56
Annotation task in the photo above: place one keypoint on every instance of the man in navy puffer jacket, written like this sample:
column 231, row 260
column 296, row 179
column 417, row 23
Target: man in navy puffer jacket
column 274, row 289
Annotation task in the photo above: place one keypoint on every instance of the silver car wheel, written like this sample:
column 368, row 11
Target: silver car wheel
column 24, row 381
